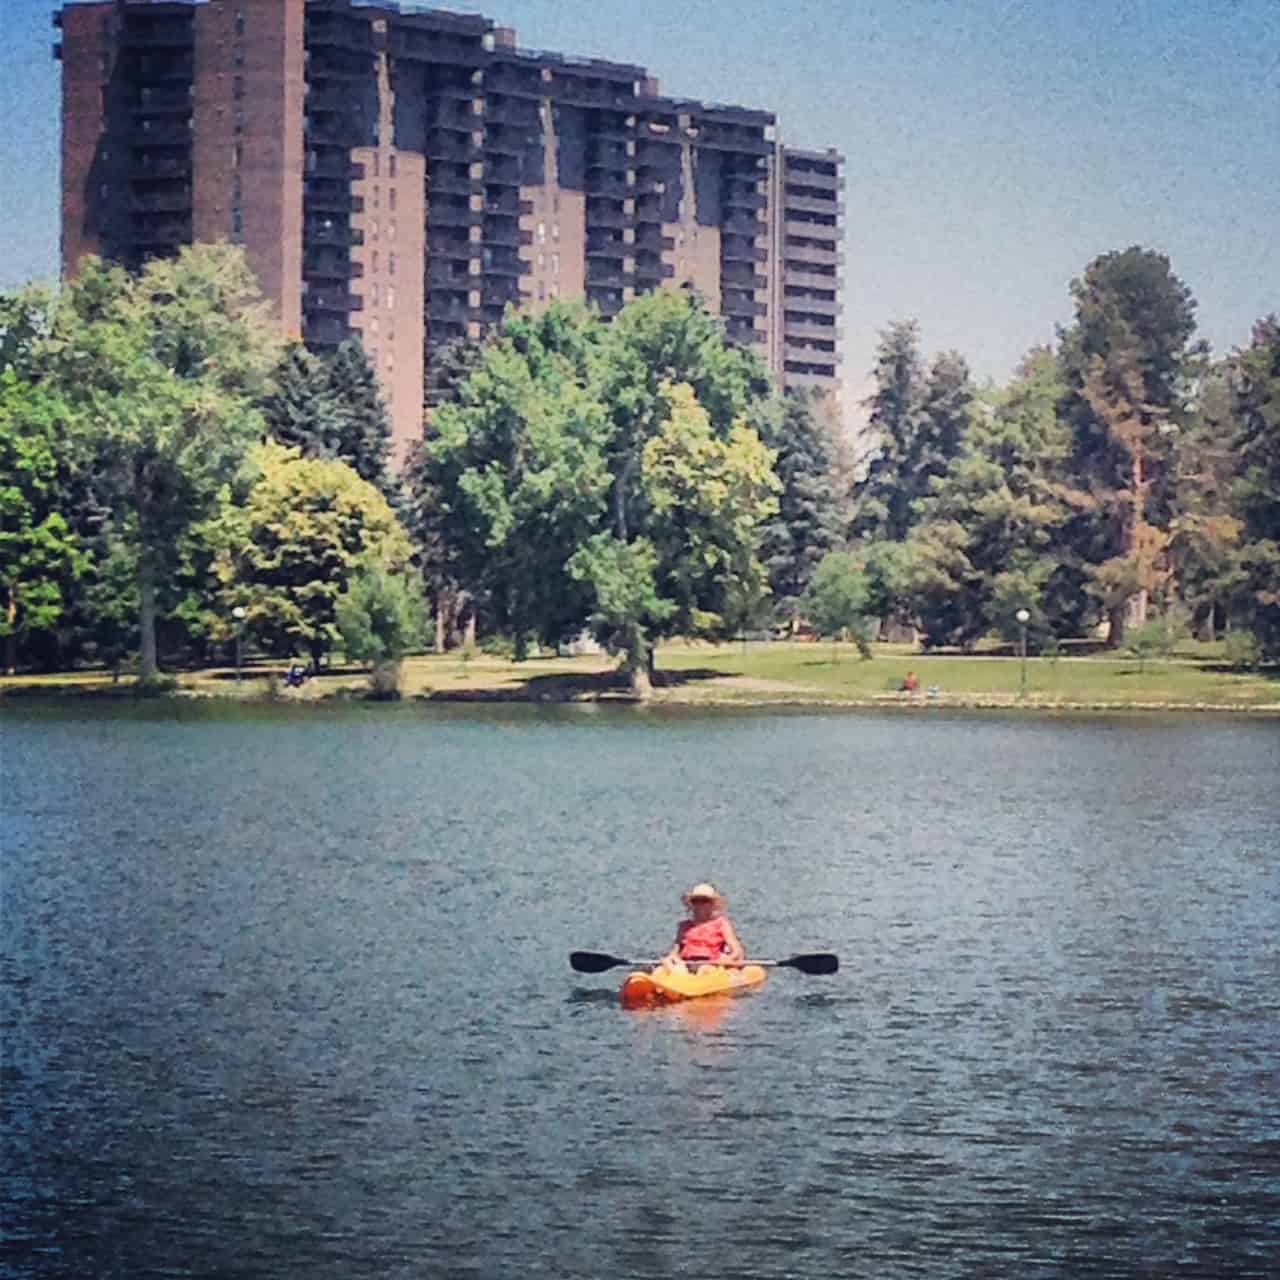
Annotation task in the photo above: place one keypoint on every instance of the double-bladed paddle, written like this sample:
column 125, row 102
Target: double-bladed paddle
column 818, row 962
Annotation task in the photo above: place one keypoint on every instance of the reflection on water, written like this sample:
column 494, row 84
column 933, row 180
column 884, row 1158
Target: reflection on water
column 288, row 995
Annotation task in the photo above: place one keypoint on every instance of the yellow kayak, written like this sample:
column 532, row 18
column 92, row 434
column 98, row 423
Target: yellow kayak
column 667, row 985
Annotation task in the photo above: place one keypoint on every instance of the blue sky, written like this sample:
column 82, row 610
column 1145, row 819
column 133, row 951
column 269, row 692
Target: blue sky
column 994, row 146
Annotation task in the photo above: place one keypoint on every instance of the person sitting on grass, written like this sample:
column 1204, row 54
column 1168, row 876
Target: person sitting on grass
column 910, row 682
column 707, row 936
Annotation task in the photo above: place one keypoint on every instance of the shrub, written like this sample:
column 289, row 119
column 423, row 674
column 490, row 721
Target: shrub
column 1240, row 650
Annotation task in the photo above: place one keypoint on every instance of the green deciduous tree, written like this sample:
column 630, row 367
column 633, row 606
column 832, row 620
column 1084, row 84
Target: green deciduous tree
column 287, row 553
column 606, row 474
column 836, row 601
column 161, row 373
column 40, row 555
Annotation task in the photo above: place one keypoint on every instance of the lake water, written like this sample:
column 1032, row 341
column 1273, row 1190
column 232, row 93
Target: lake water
column 285, row 993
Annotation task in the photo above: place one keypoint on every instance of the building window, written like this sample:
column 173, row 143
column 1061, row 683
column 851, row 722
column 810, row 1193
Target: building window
column 391, row 264
column 373, row 229
column 375, row 260
column 391, row 199
column 555, row 264
column 377, row 164
column 239, row 22
column 542, row 232
column 373, row 326
column 238, row 90
column 373, row 296
column 391, row 296
column 377, row 196
column 391, row 165
column 391, row 229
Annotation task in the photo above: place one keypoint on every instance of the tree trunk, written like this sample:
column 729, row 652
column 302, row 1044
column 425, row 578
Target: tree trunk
column 1137, row 604
column 1115, row 625
column 470, row 640
column 11, row 638
column 440, row 624
column 148, row 664
column 641, row 685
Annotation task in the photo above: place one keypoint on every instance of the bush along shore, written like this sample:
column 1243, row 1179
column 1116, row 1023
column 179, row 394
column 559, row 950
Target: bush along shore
column 787, row 674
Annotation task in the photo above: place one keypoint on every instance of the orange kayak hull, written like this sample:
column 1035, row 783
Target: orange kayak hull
column 669, row 986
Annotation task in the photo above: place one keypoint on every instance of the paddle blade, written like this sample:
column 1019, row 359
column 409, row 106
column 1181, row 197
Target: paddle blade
column 593, row 961
column 818, row 963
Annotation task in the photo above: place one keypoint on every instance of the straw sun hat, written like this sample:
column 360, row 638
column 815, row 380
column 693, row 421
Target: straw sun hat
column 706, row 891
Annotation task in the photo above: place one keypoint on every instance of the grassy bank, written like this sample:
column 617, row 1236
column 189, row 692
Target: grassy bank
column 765, row 673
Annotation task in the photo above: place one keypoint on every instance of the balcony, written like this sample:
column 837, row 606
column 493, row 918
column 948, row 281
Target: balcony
column 339, row 64
column 448, row 273
column 502, row 140
column 443, row 181
column 831, row 207
column 727, row 138
column 651, row 239
column 743, row 332
column 337, row 31
column 328, row 264
column 796, row 175
column 811, row 328
column 600, row 275
column 806, row 257
column 445, row 144
column 331, row 194
column 325, row 331
column 733, row 303
column 602, row 182
column 650, row 268
column 804, row 303
column 741, row 224
column 810, row 372
column 795, row 276
column 333, row 162
column 331, row 232
column 437, row 46
column 500, row 170
column 146, row 164
column 502, row 261
column 157, row 68
column 737, row 197
column 602, row 244
column 174, row 231
column 740, row 249
column 501, row 231
column 580, row 92
column 455, row 117
column 155, row 102
column 742, row 275
column 169, row 35
column 450, row 211
column 448, row 305
column 153, row 133
column 504, row 201
column 517, row 112
column 603, row 212
column 340, row 301
column 173, row 198
column 608, row 301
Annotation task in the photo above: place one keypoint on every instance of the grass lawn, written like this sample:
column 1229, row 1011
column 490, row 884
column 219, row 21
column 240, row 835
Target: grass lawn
column 762, row 672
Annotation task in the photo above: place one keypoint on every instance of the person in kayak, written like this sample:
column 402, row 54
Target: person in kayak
column 707, row 936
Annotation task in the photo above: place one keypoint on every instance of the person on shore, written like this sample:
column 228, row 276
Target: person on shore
column 707, row 936
column 910, row 682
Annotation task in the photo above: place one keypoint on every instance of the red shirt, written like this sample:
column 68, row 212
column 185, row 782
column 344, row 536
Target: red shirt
column 705, row 941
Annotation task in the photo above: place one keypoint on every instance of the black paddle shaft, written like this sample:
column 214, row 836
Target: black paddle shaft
column 816, row 963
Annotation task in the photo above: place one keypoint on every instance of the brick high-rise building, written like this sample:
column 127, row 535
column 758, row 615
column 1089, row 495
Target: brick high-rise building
column 403, row 175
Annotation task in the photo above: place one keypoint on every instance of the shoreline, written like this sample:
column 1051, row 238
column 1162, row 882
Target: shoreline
column 679, row 697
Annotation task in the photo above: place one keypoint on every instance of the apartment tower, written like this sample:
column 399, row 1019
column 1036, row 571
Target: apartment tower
column 404, row 175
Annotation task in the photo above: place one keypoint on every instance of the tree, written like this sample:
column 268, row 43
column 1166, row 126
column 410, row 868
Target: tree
column 299, row 407
column 986, row 542
column 306, row 529
column 39, row 553
column 364, row 435
column 885, row 496
column 808, row 523
column 836, row 599
column 161, row 373
column 1257, row 407
column 605, row 474
column 1128, row 363
column 381, row 616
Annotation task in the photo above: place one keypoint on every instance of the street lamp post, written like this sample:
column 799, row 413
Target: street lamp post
column 1023, row 618
column 238, row 614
